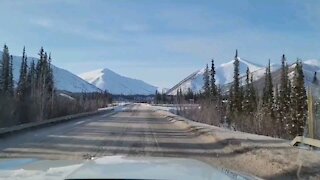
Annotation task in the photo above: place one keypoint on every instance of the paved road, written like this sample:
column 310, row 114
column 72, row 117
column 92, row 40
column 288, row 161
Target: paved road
column 134, row 130
column 139, row 130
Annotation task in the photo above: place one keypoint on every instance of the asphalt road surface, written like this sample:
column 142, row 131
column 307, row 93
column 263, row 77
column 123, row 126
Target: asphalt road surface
column 141, row 130
column 133, row 130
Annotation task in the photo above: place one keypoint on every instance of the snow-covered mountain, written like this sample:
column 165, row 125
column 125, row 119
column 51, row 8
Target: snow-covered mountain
column 309, row 69
column 114, row 83
column 224, row 75
column 64, row 80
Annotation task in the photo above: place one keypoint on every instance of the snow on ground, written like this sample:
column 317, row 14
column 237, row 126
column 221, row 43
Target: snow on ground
column 67, row 96
column 165, row 108
column 255, row 154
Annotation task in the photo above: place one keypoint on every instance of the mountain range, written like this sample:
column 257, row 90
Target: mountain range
column 106, row 79
column 63, row 79
column 95, row 81
column 224, row 75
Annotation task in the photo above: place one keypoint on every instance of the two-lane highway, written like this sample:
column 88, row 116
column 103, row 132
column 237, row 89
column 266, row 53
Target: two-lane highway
column 134, row 130
column 140, row 130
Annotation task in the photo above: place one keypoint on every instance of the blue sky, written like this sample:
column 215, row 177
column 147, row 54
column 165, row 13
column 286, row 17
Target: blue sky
column 160, row 41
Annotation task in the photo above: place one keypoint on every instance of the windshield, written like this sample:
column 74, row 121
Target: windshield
column 231, row 85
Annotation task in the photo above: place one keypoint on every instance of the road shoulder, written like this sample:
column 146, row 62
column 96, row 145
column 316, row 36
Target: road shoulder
column 263, row 156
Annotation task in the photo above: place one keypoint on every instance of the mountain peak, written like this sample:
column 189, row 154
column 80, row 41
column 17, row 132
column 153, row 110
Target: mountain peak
column 224, row 75
column 63, row 79
column 109, row 80
column 313, row 62
column 244, row 61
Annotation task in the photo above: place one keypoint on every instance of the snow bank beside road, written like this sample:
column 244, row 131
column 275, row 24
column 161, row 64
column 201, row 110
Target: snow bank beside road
column 262, row 156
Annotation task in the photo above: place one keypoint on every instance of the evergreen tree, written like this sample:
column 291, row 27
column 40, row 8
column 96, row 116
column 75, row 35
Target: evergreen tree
column 315, row 79
column 5, row 71
column 253, row 97
column 163, row 98
column 284, row 96
column 206, row 80
column 268, row 98
column 237, row 100
column 180, row 95
column 231, row 106
column 213, row 86
column 265, row 87
column 50, row 84
column 31, row 80
column 22, row 83
column 220, row 103
column 277, row 110
column 299, row 102
column 177, row 96
column 241, row 98
column 189, row 94
column 156, row 97
column 247, row 94
column 44, row 84
column 10, row 78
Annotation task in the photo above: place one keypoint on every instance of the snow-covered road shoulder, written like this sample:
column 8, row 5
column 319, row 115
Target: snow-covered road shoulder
column 259, row 155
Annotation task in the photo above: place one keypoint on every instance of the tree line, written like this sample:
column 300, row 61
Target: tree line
column 34, row 96
column 279, row 110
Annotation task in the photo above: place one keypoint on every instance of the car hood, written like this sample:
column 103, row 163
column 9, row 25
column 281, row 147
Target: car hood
column 113, row 167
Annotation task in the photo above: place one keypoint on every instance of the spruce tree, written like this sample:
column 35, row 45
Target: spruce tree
column 247, row 94
column 180, row 95
column 50, row 84
column 31, row 80
column 241, row 98
column 213, row 86
column 177, row 97
column 265, row 87
column 236, row 85
column 299, row 102
column 268, row 98
column 10, row 78
column 40, row 83
column 156, row 97
column 219, row 103
column 284, row 96
column 22, row 83
column 189, row 94
column 206, row 81
column 21, row 77
column 253, row 96
column 315, row 79
column 44, row 84
column 277, row 110
column 231, row 106
column 5, row 71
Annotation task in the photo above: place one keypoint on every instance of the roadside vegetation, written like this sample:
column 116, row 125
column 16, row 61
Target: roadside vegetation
column 34, row 97
column 278, row 110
